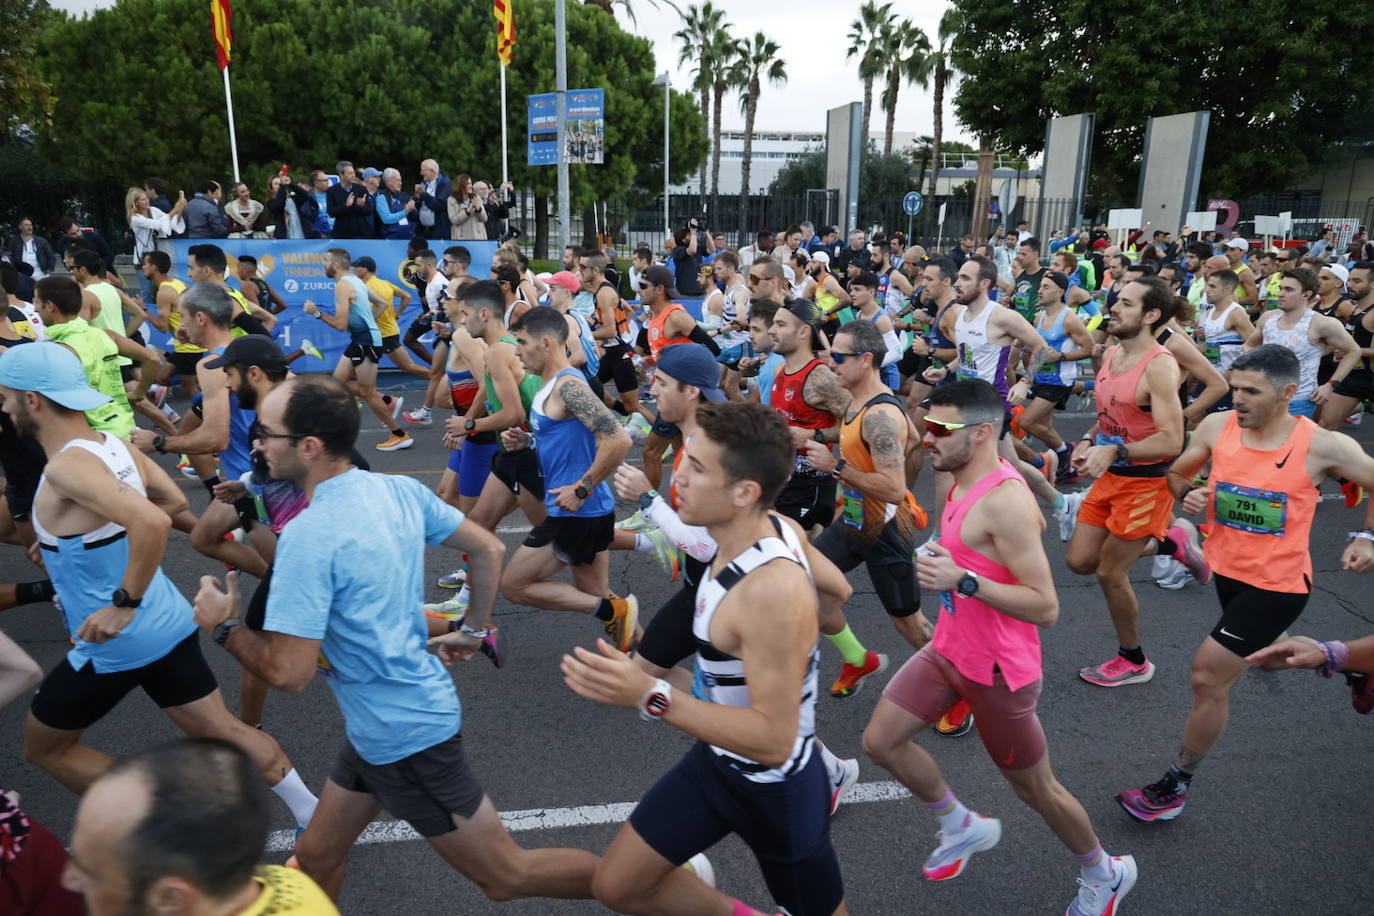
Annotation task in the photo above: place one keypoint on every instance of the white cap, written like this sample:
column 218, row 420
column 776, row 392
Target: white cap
column 1338, row 271
column 822, row 256
column 1238, row 242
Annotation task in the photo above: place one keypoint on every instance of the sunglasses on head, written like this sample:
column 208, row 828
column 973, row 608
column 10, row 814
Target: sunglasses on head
column 940, row 429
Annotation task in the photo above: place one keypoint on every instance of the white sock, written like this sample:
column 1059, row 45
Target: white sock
column 297, row 797
column 833, row 767
column 643, row 544
column 954, row 817
column 465, row 593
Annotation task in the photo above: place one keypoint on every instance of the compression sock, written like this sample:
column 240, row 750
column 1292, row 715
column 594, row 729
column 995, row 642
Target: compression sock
column 1181, row 778
column 399, row 433
column 1096, row 867
column 1165, row 547
column 29, row 592
column 1135, row 655
column 210, row 483
column 643, row 544
column 954, row 817
column 853, row 651
column 1058, row 501
column 605, row 610
column 297, row 797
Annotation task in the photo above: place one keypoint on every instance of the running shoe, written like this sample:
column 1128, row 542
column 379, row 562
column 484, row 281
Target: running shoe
column 637, row 522
column 1050, row 465
column 493, row 646
column 1016, row 429
column 952, row 855
column 1188, row 550
column 851, row 679
column 623, row 623
column 1067, row 473
column 956, row 722
column 849, row 774
column 454, row 609
column 419, row 416
column 1067, row 515
column 1118, row 671
column 1175, row 576
column 1105, row 899
column 158, row 395
column 700, row 866
column 456, row 579
column 1354, row 419
column 310, row 350
column 395, row 443
column 667, row 554
column 1159, row 801
column 394, row 403
column 1353, row 493
column 184, row 466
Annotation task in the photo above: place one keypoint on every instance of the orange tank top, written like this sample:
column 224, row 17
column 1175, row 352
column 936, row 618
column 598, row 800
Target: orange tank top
column 1263, row 503
column 1120, row 418
column 658, row 338
column 858, row 511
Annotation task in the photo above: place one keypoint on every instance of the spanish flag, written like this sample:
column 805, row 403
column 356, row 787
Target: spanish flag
column 505, row 30
column 220, row 14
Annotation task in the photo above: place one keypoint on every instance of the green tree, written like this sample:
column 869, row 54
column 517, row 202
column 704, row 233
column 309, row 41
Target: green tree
column 1293, row 86
column 315, row 81
column 725, row 74
column 940, row 62
column 883, row 179
column 908, row 61
column 25, row 97
column 699, row 47
column 866, row 43
column 757, row 60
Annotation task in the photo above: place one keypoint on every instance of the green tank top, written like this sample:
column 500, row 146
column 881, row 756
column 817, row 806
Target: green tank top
column 111, row 317
column 529, row 386
column 98, row 355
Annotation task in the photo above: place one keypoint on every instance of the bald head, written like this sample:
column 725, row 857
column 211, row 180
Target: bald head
column 914, row 255
column 1215, row 263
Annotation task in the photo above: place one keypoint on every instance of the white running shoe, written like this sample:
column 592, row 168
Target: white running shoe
column 1175, row 577
column 1067, row 516
column 952, row 855
column 1105, row 899
column 419, row 416
column 849, row 774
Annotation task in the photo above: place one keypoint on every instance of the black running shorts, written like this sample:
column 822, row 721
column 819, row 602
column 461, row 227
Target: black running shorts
column 618, row 368
column 808, row 501
column 1252, row 618
column 576, row 539
column 426, row 790
column 519, row 470
column 888, row 559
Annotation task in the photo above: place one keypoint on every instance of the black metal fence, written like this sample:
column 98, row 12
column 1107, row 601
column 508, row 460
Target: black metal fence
column 93, row 204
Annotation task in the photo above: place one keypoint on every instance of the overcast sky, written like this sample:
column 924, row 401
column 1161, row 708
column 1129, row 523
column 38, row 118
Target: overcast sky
column 812, row 35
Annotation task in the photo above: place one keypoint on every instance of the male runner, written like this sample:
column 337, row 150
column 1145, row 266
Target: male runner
column 433, row 284
column 1247, row 293
column 807, row 394
column 755, row 770
column 254, row 288
column 1223, row 325
column 996, row 590
column 1027, row 277
column 365, row 269
column 1260, row 500
column 1069, row 341
column 1127, row 512
column 764, row 364
column 1358, row 386
column 864, row 291
column 354, row 314
column 207, row 264
column 183, row 823
column 1297, row 325
column 879, row 516
column 669, row 324
column 330, row 612
column 610, row 321
column 101, row 516
column 184, row 355
column 579, row 445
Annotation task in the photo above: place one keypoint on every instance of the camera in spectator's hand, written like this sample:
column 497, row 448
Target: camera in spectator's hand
column 512, row 232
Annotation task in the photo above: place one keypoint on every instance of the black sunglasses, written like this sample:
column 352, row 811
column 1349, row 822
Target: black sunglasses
column 840, row 357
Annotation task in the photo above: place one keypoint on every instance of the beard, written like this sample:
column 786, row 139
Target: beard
column 247, row 395
column 951, row 459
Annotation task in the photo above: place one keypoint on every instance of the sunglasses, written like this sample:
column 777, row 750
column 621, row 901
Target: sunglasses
column 264, row 434
column 940, row 429
column 755, row 281
column 839, row 357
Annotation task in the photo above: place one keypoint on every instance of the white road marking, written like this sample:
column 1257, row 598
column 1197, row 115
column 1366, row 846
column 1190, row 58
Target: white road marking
column 558, row 818
column 514, row 529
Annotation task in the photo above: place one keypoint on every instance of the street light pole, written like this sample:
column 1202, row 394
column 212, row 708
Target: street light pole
column 560, row 27
column 666, row 80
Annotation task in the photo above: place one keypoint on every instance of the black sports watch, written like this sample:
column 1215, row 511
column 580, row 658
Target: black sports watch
column 581, row 492
column 469, row 425
column 123, row 599
column 221, row 631
column 968, row 585
column 158, row 442
column 1121, row 453
column 839, row 468
column 646, row 500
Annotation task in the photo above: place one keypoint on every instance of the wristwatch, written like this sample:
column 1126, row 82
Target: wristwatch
column 158, row 442
column 818, row 436
column 123, row 599
column 839, row 468
column 581, row 492
column 968, row 585
column 656, row 702
column 221, row 632
column 1121, row 453
column 469, row 425
column 646, row 500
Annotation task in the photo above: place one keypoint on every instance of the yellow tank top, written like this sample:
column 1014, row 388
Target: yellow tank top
column 288, row 892
column 386, row 321
column 235, row 330
column 174, row 319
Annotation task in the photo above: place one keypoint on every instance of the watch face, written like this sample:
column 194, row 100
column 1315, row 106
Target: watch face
column 968, row 586
column 656, row 705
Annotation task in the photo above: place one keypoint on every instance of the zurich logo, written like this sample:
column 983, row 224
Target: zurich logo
column 291, row 286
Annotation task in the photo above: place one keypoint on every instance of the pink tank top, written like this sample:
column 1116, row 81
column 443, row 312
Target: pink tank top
column 972, row 635
column 1120, row 418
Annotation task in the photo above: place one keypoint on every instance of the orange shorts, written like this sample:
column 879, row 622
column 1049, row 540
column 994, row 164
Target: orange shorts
column 1129, row 507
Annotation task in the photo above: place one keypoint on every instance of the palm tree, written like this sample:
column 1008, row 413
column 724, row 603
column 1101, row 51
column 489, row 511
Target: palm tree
column 756, row 60
column 724, row 76
column 865, row 43
column 700, row 26
column 941, row 66
column 908, row 60
column 609, row 7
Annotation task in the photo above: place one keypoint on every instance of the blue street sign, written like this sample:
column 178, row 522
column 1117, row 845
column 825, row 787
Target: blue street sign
column 912, row 203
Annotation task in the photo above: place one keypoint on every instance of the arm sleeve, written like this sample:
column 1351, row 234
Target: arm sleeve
column 696, row 542
column 894, row 348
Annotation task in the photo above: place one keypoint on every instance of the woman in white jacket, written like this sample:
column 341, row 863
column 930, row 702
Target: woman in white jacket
column 152, row 229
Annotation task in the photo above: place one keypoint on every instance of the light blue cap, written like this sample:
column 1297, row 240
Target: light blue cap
column 51, row 370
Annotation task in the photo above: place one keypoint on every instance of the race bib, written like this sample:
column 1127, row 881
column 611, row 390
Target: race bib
column 852, row 510
column 1250, row 510
column 947, row 602
column 1213, row 354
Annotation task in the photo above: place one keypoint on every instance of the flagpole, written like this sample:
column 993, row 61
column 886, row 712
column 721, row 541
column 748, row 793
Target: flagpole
column 233, row 142
column 505, row 165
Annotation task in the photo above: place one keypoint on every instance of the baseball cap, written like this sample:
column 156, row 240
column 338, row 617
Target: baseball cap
column 806, row 311
column 1338, row 271
column 370, row 172
column 1238, row 242
column 566, row 280
column 692, row 364
column 365, row 262
column 658, row 275
column 51, row 370
column 250, row 350
column 822, row 256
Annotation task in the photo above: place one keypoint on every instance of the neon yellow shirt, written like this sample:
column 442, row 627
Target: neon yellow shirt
column 386, row 321
column 287, row 892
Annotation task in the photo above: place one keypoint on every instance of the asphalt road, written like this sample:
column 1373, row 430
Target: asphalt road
column 1275, row 824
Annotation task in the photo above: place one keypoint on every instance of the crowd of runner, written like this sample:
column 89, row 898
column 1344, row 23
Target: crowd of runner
column 797, row 412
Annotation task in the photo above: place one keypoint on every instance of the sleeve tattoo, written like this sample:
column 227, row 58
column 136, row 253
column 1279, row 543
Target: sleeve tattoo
column 583, row 405
column 882, row 435
column 824, row 392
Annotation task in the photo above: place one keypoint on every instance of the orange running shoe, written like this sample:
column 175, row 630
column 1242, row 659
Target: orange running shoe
column 1354, row 494
column 957, row 721
column 851, row 679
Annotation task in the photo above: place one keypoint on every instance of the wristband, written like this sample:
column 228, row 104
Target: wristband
column 1363, row 533
column 1337, row 654
column 656, row 702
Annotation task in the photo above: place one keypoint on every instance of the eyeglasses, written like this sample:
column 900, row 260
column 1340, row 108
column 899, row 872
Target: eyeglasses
column 264, row 434
column 755, row 281
column 940, row 429
column 839, row 357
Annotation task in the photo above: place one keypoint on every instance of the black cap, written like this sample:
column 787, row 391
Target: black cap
column 250, row 350
column 366, row 263
column 658, row 275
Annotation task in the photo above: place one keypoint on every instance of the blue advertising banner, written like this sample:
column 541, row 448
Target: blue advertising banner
column 586, row 133
column 295, row 270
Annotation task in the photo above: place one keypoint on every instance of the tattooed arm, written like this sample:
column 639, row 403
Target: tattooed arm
column 612, row 441
column 885, row 433
column 823, row 392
